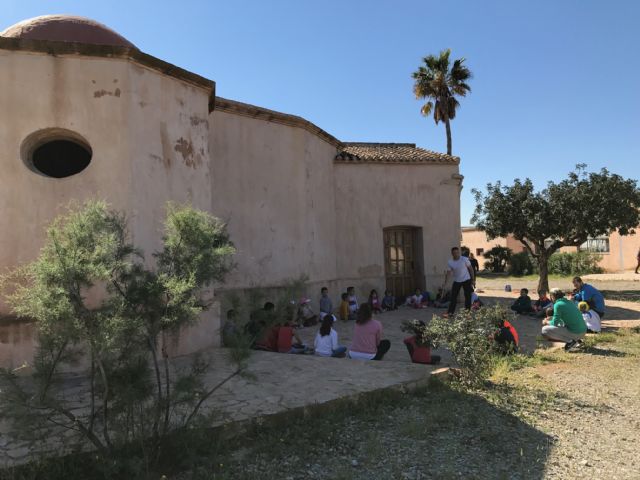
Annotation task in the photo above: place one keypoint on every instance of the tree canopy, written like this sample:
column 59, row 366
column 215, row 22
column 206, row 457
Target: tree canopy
column 567, row 213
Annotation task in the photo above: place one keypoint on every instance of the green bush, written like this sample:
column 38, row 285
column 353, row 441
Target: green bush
column 138, row 396
column 521, row 264
column 574, row 263
column 469, row 337
column 497, row 259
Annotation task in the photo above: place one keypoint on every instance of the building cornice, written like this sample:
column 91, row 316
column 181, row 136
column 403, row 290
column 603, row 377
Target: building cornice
column 132, row 54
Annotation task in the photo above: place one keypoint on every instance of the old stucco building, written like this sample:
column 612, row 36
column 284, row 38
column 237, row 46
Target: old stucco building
column 87, row 114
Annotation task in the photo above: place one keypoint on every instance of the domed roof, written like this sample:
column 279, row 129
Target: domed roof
column 66, row 28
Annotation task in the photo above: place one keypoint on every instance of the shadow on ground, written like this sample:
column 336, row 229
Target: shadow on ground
column 433, row 433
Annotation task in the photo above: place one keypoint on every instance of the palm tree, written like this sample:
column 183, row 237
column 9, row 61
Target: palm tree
column 436, row 82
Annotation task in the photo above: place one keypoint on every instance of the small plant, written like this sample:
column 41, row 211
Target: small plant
column 425, row 337
column 469, row 337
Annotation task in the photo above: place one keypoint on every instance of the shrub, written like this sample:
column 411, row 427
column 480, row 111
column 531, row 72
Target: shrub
column 521, row 264
column 498, row 258
column 136, row 394
column 469, row 336
column 424, row 335
column 574, row 263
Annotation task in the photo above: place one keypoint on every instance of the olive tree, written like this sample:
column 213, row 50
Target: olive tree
column 566, row 213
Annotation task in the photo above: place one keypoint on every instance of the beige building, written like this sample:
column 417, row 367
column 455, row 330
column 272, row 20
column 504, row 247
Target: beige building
column 87, row 114
column 618, row 253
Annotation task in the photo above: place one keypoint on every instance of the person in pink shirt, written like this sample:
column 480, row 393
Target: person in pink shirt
column 367, row 343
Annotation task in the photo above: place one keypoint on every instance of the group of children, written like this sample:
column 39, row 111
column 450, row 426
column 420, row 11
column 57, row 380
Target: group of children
column 543, row 308
column 424, row 299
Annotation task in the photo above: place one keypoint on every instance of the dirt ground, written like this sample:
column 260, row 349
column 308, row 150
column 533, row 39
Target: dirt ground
column 562, row 416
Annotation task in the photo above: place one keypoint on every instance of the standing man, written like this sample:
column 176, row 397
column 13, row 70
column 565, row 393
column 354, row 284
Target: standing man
column 463, row 277
column 474, row 264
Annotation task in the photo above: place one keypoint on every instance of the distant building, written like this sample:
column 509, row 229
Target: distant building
column 618, row 252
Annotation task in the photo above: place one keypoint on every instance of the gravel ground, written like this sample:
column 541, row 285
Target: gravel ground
column 566, row 415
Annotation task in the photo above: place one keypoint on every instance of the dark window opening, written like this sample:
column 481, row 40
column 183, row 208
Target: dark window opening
column 60, row 158
column 479, row 251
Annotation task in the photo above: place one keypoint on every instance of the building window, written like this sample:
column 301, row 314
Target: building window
column 479, row 252
column 56, row 153
column 595, row 245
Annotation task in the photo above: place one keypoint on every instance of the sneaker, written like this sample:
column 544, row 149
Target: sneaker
column 570, row 346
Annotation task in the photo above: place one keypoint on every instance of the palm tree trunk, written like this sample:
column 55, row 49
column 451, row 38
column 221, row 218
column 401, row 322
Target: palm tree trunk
column 448, row 125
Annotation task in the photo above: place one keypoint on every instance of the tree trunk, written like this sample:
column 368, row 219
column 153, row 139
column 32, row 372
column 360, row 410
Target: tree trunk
column 543, row 267
column 447, row 124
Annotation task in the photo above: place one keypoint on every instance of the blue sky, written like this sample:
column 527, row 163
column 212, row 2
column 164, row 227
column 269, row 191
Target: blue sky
column 555, row 82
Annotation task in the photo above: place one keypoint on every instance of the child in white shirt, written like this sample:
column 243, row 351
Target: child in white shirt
column 326, row 342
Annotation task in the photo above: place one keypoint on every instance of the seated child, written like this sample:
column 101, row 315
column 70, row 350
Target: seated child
column 353, row 303
column 388, row 301
column 374, row 302
column 442, row 299
column 506, row 338
column 344, row 307
column 591, row 318
column 416, row 300
column 306, row 315
column 285, row 337
column 326, row 342
column 418, row 350
column 476, row 303
column 326, row 305
column 523, row 302
column 543, row 302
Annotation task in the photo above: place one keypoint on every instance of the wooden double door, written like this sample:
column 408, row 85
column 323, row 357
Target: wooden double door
column 403, row 260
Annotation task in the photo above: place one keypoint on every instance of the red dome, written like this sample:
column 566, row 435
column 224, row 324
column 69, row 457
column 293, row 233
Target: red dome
column 66, row 28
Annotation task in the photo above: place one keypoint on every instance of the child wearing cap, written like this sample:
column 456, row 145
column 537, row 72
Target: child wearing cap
column 326, row 342
column 306, row 316
column 591, row 318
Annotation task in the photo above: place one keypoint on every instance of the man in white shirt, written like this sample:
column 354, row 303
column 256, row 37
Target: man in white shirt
column 463, row 277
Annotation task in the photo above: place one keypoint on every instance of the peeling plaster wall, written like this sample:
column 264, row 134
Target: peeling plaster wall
column 149, row 137
column 273, row 183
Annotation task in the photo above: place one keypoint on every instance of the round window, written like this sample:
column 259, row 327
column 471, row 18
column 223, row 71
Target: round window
column 56, row 153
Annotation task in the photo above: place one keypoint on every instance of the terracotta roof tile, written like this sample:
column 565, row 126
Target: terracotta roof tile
column 391, row 153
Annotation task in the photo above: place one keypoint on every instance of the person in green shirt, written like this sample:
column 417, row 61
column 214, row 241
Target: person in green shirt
column 566, row 325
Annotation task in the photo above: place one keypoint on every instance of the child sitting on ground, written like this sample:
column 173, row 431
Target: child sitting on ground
column 591, row 318
column 523, row 302
column 416, row 300
column 506, row 338
column 476, row 303
column 306, row 316
column 344, row 307
column 388, row 301
column 442, row 299
column 374, row 302
column 417, row 345
column 326, row 306
column 543, row 302
column 353, row 303
column 326, row 342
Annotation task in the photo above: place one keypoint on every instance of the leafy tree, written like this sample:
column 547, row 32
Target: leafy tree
column 566, row 213
column 498, row 258
column 438, row 83
column 93, row 297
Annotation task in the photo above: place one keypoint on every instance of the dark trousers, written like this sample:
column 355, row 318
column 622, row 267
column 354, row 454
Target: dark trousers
column 455, row 290
column 383, row 348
